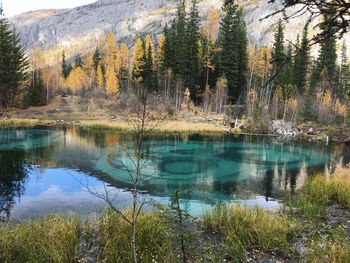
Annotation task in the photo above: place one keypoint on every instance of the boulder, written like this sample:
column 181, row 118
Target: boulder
column 282, row 128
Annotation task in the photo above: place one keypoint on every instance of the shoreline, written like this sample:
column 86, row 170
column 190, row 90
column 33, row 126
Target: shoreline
column 334, row 134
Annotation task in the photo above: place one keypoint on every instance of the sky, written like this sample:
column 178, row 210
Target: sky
column 14, row 7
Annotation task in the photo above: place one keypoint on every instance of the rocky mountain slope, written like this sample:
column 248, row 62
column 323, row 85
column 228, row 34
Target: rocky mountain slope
column 81, row 27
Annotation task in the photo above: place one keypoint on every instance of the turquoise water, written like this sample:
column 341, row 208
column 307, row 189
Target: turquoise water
column 48, row 170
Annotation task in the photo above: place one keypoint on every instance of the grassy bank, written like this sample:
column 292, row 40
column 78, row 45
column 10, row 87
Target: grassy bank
column 312, row 227
column 168, row 126
column 14, row 123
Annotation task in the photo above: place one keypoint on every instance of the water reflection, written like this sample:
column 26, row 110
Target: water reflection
column 13, row 174
column 42, row 170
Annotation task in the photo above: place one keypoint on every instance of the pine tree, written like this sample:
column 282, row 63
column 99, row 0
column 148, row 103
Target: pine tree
column 168, row 61
column 344, row 78
column 191, row 77
column 36, row 91
column 326, row 59
column 13, row 65
column 124, row 67
column 66, row 67
column 301, row 63
column 287, row 73
column 233, row 43
column 148, row 69
column 308, row 111
column 278, row 55
column 180, row 41
column 97, row 58
column 78, row 61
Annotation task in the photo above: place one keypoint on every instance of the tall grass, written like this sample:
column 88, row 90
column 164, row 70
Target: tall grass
column 243, row 228
column 166, row 126
column 323, row 191
column 153, row 239
column 53, row 239
column 23, row 123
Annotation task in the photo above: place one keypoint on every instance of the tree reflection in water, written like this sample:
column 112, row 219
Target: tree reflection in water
column 13, row 173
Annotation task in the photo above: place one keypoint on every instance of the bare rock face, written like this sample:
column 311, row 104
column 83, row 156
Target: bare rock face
column 282, row 128
column 129, row 19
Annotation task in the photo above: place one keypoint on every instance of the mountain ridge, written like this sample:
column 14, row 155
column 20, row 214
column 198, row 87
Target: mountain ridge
column 128, row 19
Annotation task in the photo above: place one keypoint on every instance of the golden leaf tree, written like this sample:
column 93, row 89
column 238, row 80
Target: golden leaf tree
column 112, row 84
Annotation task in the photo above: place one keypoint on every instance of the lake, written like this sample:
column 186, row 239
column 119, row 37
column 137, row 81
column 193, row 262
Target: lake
column 49, row 170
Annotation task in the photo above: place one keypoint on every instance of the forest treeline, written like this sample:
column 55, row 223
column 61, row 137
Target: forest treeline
column 208, row 65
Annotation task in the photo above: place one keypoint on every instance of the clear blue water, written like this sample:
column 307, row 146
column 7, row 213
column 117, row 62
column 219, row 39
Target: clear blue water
column 45, row 171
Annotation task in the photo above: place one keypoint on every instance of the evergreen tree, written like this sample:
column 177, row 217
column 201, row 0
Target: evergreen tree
column 66, row 67
column 180, row 41
column 78, row 61
column 308, row 111
column 148, row 69
column 233, row 44
column 326, row 59
column 36, row 90
column 13, row 65
column 97, row 58
column 169, row 50
column 288, row 68
column 344, row 75
column 301, row 63
column 191, row 77
column 278, row 55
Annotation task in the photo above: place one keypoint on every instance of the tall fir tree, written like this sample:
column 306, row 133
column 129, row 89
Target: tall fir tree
column 13, row 65
column 36, row 90
column 97, row 58
column 148, row 68
column 233, row 44
column 180, row 41
column 344, row 74
column 191, row 77
column 301, row 63
column 169, row 49
column 65, row 66
column 327, row 57
column 278, row 56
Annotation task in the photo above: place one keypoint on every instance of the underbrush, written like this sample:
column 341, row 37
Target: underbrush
column 243, row 228
column 52, row 239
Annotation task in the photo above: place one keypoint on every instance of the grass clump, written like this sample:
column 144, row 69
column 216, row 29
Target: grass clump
column 52, row 239
column 322, row 192
column 243, row 228
column 153, row 239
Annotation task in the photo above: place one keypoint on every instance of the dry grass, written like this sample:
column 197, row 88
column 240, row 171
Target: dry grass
column 166, row 126
column 13, row 123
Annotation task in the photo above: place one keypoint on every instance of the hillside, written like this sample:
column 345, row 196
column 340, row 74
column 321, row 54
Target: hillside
column 128, row 19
